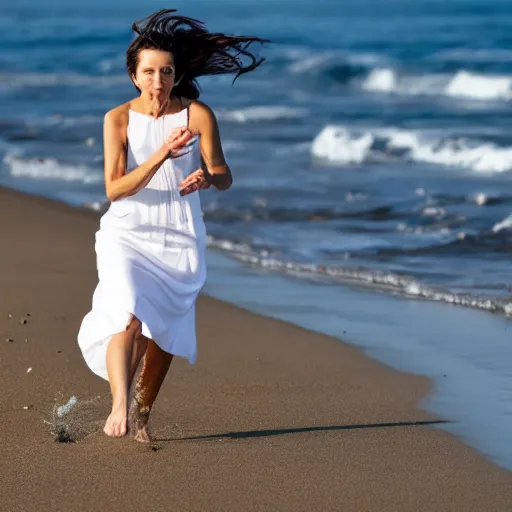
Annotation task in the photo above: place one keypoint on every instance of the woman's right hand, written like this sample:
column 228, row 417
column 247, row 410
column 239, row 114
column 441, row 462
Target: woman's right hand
column 176, row 140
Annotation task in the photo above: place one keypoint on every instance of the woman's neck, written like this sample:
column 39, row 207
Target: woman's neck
column 152, row 107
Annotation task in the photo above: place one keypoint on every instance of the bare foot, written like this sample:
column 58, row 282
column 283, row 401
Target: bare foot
column 116, row 423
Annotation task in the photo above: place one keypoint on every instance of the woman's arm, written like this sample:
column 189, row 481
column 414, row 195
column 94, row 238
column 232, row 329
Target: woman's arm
column 202, row 120
column 118, row 184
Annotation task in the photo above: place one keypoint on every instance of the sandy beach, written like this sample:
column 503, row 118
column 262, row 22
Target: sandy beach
column 271, row 417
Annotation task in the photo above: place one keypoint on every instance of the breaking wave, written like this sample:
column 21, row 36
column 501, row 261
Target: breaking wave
column 377, row 74
column 462, row 84
column 503, row 225
column 384, row 281
column 338, row 144
column 50, row 169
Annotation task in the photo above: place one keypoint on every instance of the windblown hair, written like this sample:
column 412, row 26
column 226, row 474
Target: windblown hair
column 196, row 51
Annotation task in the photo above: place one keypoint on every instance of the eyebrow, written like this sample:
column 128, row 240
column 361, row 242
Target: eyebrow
column 153, row 67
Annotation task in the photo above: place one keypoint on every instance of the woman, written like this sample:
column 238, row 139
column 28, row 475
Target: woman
column 160, row 149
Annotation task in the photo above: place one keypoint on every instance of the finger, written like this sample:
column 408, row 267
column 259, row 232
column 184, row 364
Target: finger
column 193, row 175
column 174, row 137
column 191, row 178
column 187, row 181
column 178, row 132
column 188, row 190
column 200, row 179
column 184, row 137
column 180, row 141
column 200, row 184
column 188, row 185
column 204, row 182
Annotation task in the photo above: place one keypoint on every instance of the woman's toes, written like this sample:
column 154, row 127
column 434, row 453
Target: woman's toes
column 121, row 431
column 116, row 425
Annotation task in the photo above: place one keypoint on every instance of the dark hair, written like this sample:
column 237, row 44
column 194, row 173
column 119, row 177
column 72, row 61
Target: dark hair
column 196, row 51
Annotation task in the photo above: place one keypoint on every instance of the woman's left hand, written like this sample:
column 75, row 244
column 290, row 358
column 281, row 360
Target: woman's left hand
column 198, row 180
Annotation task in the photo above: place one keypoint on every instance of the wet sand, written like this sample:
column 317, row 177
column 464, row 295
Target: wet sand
column 271, row 417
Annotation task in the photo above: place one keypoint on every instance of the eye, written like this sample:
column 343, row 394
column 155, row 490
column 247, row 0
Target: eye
column 168, row 71
column 148, row 72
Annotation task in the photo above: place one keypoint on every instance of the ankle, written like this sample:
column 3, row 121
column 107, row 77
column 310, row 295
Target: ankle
column 119, row 403
column 139, row 414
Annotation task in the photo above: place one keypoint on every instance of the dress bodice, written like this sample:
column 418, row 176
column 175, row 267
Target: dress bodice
column 159, row 206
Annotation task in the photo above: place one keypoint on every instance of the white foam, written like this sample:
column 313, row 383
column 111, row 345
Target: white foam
column 228, row 245
column 385, row 281
column 96, row 206
column 482, row 158
column 502, row 225
column 337, row 144
column 260, row 113
column 463, row 84
column 481, row 199
column 380, row 80
column 341, row 145
column 387, row 80
column 50, row 169
column 480, row 87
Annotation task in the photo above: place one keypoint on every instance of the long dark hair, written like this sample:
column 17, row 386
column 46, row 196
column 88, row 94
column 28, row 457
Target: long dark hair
column 196, row 51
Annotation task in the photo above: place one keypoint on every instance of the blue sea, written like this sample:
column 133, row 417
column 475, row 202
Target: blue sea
column 372, row 157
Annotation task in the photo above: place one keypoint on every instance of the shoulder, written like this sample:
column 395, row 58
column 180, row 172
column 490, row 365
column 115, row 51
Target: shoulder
column 118, row 116
column 201, row 110
column 201, row 115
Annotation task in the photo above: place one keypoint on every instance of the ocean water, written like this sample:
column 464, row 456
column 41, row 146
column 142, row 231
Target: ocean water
column 372, row 150
column 373, row 146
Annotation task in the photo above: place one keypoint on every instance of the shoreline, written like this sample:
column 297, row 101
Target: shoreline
column 329, row 426
column 455, row 347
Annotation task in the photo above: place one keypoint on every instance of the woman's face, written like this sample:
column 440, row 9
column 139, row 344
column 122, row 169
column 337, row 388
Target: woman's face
column 155, row 74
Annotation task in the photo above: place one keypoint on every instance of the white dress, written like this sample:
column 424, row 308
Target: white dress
column 150, row 252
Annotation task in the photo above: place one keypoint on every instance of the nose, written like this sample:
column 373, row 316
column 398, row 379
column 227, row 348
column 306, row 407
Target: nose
column 158, row 82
